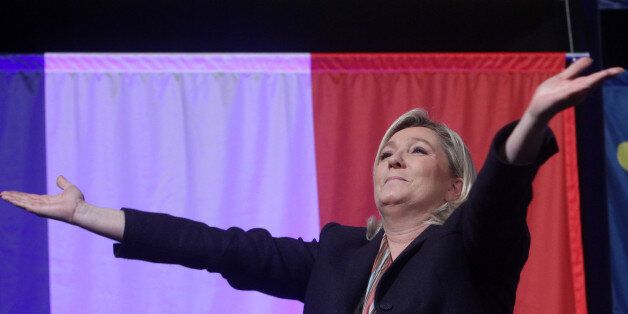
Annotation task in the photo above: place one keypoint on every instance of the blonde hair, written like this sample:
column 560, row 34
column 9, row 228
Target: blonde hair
column 460, row 162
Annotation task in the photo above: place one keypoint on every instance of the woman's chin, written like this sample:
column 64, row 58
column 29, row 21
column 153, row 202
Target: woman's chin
column 392, row 200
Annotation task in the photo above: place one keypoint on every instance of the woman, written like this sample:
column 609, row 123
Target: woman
column 441, row 245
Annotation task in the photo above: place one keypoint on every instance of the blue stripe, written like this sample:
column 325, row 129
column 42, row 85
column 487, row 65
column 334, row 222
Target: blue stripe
column 23, row 236
column 616, row 131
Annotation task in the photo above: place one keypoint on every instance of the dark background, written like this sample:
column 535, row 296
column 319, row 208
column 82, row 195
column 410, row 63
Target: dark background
column 284, row 26
column 352, row 26
column 309, row 26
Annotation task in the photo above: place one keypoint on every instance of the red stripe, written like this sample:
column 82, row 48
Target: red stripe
column 436, row 62
column 356, row 97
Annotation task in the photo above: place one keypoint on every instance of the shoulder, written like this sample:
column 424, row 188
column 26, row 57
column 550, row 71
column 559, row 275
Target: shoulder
column 335, row 232
column 334, row 228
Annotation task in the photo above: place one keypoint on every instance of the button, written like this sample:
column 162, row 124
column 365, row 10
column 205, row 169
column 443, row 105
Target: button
column 385, row 306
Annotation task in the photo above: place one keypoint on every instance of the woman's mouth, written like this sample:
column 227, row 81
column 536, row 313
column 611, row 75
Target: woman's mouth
column 391, row 178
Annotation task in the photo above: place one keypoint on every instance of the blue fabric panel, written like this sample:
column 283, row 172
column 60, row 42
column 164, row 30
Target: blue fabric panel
column 616, row 132
column 23, row 236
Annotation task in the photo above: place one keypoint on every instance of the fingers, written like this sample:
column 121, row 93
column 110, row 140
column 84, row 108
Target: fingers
column 580, row 65
column 63, row 183
column 38, row 204
column 601, row 75
column 596, row 78
column 20, row 199
column 575, row 68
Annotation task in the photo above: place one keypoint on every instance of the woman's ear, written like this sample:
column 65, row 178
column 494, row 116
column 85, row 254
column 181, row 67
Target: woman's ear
column 455, row 190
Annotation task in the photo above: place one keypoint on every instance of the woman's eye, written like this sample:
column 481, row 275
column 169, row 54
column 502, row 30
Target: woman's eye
column 419, row 150
column 384, row 155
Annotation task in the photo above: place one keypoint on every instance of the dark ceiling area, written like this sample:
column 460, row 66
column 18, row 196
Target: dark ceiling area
column 614, row 37
column 283, row 26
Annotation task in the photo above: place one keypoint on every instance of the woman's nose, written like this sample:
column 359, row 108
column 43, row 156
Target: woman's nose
column 396, row 161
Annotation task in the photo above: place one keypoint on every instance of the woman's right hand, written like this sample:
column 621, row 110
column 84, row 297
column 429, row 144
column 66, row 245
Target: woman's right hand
column 63, row 206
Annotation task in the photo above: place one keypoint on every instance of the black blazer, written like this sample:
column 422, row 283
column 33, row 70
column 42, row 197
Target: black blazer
column 471, row 264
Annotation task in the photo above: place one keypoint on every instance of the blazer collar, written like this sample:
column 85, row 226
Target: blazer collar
column 416, row 244
column 390, row 275
column 359, row 266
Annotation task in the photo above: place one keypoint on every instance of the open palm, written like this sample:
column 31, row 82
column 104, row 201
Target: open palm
column 60, row 207
column 566, row 89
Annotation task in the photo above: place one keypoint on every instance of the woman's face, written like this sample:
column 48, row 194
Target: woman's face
column 413, row 170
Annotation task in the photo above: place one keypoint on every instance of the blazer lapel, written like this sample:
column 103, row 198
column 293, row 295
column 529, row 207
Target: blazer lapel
column 416, row 244
column 390, row 274
column 358, row 270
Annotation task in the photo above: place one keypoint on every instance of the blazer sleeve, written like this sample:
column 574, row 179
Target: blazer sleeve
column 495, row 232
column 249, row 260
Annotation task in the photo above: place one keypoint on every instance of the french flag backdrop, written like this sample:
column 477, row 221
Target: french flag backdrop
column 280, row 141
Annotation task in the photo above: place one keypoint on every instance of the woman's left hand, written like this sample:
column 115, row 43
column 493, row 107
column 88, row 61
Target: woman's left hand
column 566, row 89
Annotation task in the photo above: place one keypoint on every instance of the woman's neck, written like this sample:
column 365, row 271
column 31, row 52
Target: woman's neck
column 401, row 232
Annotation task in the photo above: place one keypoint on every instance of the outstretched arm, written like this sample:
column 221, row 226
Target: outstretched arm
column 559, row 92
column 70, row 206
column 495, row 232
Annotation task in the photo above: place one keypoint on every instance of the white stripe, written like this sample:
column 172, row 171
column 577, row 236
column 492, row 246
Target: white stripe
column 177, row 63
column 227, row 150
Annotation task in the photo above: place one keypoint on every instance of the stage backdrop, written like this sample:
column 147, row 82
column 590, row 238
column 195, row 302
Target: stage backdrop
column 281, row 141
